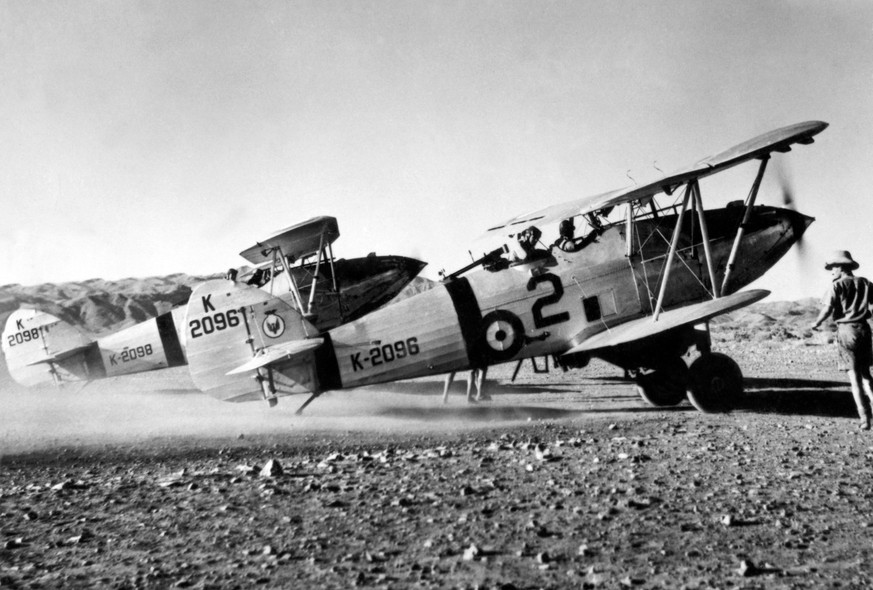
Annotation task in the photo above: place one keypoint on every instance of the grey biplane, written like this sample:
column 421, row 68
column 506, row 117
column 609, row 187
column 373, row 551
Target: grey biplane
column 295, row 265
column 636, row 287
column 632, row 277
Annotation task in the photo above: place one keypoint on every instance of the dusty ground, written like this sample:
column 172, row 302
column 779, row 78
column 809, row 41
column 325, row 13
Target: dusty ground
column 563, row 480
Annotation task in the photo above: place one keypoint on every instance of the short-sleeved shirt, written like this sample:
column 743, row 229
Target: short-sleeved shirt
column 850, row 299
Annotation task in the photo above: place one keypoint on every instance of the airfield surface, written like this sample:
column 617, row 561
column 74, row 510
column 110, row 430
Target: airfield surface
column 563, row 480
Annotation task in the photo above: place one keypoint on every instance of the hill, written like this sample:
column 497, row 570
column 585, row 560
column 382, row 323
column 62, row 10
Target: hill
column 99, row 306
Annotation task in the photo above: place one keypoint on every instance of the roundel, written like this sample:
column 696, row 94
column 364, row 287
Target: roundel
column 274, row 325
column 502, row 335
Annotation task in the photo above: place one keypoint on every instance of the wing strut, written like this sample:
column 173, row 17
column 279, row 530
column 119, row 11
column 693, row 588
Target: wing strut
column 291, row 279
column 750, row 202
column 339, row 299
column 674, row 244
column 315, row 276
column 628, row 230
column 697, row 205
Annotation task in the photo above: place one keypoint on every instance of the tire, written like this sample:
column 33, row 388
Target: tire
column 715, row 383
column 666, row 386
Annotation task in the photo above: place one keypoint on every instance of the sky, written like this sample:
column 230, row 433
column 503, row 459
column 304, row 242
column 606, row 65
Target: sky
column 152, row 137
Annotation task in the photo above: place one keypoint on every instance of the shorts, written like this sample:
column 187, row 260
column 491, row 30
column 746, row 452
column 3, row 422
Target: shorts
column 854, row 345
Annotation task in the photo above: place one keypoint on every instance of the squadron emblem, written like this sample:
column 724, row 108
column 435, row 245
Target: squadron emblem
column 274, row 325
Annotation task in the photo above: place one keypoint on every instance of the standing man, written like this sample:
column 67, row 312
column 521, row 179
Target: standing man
column 476, row 376
column 848, row 300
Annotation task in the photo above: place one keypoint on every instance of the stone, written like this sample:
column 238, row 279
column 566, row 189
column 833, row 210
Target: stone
column 747, row 569
column 471, row 553
column 271, row 469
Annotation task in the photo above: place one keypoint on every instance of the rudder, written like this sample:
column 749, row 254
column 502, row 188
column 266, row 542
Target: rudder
column 227, row 325
column 41, row 349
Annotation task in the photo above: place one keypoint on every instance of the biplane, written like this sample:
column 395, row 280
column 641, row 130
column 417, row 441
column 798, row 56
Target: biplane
column 295, row 265
column 632, row 277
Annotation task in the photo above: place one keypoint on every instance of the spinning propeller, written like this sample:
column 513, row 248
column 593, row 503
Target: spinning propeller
column 805, row 264
column 783, row 177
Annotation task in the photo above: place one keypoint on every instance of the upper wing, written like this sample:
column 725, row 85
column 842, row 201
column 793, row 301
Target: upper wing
column 779, row 140
column 668, row 320
column 297, row 241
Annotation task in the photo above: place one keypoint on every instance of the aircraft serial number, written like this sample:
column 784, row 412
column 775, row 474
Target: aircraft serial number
column 386, row 353
column 25, row 336
column 214, row 323
column 130, row 354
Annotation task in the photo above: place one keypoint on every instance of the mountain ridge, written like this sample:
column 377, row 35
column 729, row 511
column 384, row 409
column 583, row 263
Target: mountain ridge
column 98, row 306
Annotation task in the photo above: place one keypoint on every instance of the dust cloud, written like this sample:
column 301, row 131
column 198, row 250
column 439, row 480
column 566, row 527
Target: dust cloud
column 164, row 405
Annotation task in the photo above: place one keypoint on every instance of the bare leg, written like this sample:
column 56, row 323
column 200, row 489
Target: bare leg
column 855, row 380
column 470, row 379
column 480, row 383
column 866, row 384
column 449, row 378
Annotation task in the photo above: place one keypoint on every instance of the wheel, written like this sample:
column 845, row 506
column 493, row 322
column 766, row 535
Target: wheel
column 715, row 383
column 665, row 386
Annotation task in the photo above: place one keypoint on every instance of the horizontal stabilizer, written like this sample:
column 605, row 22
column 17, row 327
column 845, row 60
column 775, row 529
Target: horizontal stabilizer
column 277, row 354
column 668, row 320
column 61, row 356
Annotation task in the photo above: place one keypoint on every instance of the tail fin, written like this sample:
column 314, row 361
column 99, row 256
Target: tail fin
column 42, row 349
column 244, row 344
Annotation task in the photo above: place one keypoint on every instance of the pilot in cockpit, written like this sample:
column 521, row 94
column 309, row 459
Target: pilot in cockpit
column 527, row 241
column 567, row 240
column 566, row 236
column 259, row 278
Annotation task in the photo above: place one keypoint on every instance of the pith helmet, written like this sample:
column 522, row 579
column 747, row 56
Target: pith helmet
column 840, row 258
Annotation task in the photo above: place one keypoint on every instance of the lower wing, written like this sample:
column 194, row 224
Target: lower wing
column 684, row 316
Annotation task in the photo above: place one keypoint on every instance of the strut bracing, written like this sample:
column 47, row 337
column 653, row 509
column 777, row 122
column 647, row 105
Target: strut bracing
column 750, row 202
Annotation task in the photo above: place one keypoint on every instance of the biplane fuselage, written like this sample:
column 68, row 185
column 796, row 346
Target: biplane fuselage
column 546, row 306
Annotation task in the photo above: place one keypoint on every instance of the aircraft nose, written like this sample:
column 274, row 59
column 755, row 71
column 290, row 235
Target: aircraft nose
column 799, row 222
column 411, row 266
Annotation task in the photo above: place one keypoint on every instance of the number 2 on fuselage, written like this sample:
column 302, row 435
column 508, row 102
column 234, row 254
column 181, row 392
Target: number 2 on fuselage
column 540, row 320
